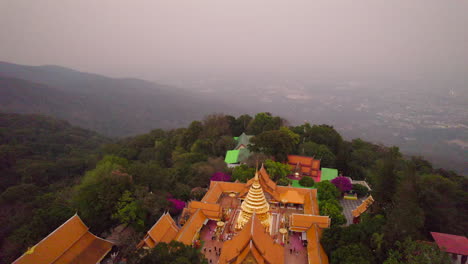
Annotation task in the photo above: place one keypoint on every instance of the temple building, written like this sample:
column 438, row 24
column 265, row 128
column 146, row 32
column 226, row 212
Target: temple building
column 253, row 222
column 254, row 203
column 305, row 166
column 240, row 153
column 70, row 243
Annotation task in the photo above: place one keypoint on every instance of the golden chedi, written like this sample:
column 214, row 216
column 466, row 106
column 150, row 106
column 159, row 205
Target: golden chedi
column 255, row 202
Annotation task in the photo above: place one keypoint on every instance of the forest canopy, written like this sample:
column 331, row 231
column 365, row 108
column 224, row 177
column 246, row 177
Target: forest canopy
column 49, row 170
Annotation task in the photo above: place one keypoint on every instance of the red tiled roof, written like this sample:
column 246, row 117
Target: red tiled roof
column 451, row 243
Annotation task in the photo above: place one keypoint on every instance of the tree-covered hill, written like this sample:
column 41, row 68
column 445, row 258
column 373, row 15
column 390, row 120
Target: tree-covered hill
column 134, row 180
column 39, row 158
column 112, row 107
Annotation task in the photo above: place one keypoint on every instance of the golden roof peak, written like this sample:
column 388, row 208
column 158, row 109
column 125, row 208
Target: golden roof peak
column 255, row 202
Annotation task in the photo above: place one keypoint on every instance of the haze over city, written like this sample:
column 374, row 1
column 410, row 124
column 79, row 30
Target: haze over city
column 166, row 40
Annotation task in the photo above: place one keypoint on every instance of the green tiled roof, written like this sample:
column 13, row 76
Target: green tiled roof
column 244, row 154
column 243, row 140
column 232, row 156
column 328, row 174
column 236, row 156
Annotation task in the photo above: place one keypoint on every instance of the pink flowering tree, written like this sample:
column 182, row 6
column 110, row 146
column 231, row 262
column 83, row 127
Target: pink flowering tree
column 176, row 206
column 220, row 176
column 342, row 183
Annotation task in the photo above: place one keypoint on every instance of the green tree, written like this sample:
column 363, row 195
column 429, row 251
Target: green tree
column 101, row 188
column 332, row 209
column 276, row 143
column 174, row 252
column 264, row 122
column 283, row 181
column 215, row 126
column 327, row 191
column 307, row 182
column 192, row 133
column 322, row 152
column 239, row 125
column 277, row 170
column 324, row 135
column 243, row 173
column 385, row 180
column 406, row 218
column 444, row 204
column 129, row 211
column 360, row 190
column 415, row 252
column 352, row 254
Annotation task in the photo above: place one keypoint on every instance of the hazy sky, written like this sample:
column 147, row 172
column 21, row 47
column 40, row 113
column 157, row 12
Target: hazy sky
column 149, row 39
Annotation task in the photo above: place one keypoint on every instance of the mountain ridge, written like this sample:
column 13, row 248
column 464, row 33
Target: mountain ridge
column 114, row 107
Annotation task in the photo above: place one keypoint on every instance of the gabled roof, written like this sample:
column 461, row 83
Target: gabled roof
column 291, row 196
column 243, row 140
column 69, row 243
column 311, row 203
column 191, row 227
column 315, row 252
column 253, row 241
column 302, row 222
column 211, row 210
column 237, row 155
column 363, row 206
column 267, row 184
column 232, row 156
column 451, row 243
column 308, row 165
column 164, row 230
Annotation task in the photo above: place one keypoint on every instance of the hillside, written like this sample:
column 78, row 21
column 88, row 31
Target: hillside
column 50, row 170
column 39, row 158
column 114, row 107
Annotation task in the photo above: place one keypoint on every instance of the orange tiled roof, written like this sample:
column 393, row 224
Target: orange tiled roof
column 70, row 243
column 190, row 229
column 308, row 165
column 363, row 206
column 315, row 251
column 302, row 222
column 252, row 240
column 311, row 203
column 164, row 230
column 211, row 210
column 267, row 184
column 291, row 196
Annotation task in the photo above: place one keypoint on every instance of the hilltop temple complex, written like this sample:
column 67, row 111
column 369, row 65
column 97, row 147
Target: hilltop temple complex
column 253, row 222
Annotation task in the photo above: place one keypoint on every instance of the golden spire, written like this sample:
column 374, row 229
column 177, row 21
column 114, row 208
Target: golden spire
column 255, row 202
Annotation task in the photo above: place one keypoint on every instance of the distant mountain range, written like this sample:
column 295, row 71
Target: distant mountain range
column 418, row 116
column 113, row 107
